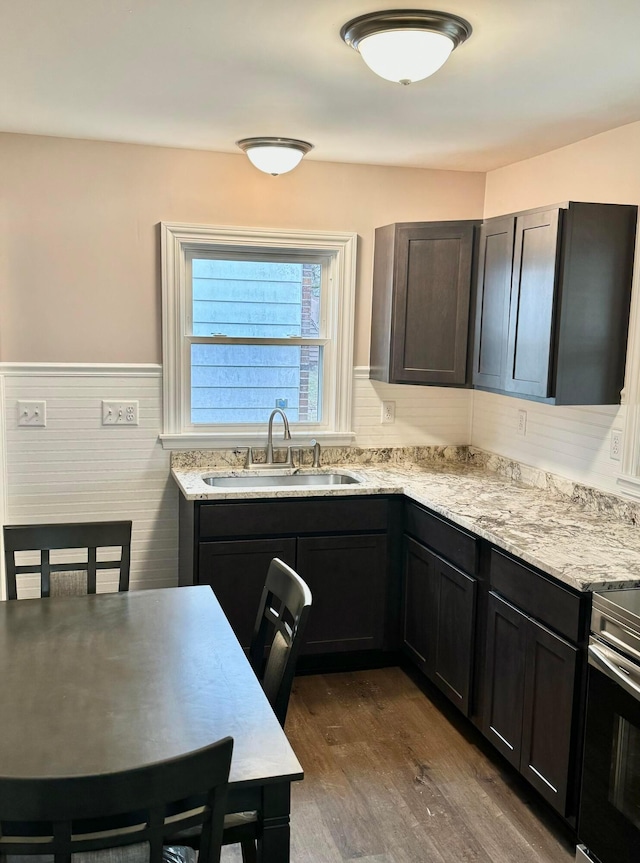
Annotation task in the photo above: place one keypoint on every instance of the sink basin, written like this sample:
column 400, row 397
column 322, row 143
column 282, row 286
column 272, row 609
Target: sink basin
column 298, row 479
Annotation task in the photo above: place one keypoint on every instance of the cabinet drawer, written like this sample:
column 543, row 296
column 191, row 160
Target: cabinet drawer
column 451, row 542
column 537, row 595
column 292, row 517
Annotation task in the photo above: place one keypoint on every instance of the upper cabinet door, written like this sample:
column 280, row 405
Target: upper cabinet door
column 530, row 340
column 421, row 291
column 495, row 261
column 431, row 308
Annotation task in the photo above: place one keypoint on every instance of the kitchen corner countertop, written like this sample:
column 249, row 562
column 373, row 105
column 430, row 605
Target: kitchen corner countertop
column 586, row 550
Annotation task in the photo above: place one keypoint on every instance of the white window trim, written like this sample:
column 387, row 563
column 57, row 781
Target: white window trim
column 177, row 240
column 629, row 480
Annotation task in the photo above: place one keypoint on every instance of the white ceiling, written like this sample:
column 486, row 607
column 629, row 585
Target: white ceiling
column 535, row 75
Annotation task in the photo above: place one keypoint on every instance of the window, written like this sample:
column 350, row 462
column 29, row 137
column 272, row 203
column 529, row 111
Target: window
column 254, row 320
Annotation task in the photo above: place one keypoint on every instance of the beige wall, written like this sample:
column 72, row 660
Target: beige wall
column 79, row 259
column 602, row 169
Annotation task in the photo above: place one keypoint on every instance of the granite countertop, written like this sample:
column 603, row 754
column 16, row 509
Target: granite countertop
column 567, row 539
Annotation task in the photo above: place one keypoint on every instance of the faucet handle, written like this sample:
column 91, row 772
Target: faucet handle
column 248, row 462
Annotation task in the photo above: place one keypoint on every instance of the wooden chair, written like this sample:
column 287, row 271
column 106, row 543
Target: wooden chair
column 80, row 577
column 133, row 811
column 277, row 634
column 275, row 644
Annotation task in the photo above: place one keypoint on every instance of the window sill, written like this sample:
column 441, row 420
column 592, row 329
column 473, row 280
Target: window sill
column 213, row 440
column 629, row 485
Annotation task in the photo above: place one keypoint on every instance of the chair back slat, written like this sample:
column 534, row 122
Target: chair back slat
column 91, row 570
column 142, row 806
column 280, row 623
column 45, row 538
column 45, row 573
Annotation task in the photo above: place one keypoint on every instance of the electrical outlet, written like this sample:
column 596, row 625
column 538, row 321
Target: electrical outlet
column 615, row 448
column 522, row 423
column 388, row 412
column 32, row 414
column 119, row 413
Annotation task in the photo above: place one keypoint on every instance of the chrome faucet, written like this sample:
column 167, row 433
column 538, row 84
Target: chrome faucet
column 287, row 433
column 269, row 462
column 316, row 452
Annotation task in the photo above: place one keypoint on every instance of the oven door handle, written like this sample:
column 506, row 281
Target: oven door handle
column 617, row 668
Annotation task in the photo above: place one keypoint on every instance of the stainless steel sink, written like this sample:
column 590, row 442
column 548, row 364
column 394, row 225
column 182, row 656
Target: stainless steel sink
column 298, row 479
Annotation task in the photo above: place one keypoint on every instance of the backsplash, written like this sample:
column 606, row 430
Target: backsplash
column 234, row 459
column 573, row 442
column 592, row 499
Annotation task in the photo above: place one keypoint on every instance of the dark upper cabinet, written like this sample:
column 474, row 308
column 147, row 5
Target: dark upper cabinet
column 422, row 277
column 492, row 302
column 552, row 310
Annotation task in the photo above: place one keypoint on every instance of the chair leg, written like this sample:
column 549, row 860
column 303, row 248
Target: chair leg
column 249, row 853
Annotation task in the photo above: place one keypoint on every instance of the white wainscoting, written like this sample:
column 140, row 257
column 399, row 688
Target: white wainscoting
column 573, row 442
column 76, row 469
column 425, row 416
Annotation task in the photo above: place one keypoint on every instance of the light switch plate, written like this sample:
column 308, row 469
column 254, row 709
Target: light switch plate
column 119, row 413
column 32, row 413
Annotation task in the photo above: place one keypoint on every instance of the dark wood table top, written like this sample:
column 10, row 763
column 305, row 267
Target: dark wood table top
column 100, row 683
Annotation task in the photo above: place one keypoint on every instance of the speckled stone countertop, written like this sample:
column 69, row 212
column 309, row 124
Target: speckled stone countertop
column 589, row 541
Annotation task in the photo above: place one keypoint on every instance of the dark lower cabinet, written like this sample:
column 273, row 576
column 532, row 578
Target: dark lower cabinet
column 439, row 621
column 504, row 701
column 339, row 547
column 531, row 683
column 236, row 573
column 503, row 641
column 347, row 577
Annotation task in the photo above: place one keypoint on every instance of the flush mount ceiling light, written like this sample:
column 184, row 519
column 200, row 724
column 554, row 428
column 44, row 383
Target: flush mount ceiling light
column 405, row 45
column 274, row 155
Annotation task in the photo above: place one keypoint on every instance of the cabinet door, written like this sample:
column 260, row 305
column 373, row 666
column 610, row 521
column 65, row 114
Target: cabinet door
column 504, row 677
column 432, row 284
column 347, row 576
column 550, row 685
column 495, row 263
column 236, row 571
column 455, row 629
column 419, row 601
column 439, row 621
column 531, row 318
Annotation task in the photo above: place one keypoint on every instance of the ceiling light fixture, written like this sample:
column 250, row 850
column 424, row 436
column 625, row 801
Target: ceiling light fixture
column 405, row 45
column 274, row 155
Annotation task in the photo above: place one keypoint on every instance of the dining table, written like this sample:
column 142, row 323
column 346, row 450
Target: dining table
column 102, row 683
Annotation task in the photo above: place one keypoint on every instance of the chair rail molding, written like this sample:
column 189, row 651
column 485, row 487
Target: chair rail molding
column 81, row 369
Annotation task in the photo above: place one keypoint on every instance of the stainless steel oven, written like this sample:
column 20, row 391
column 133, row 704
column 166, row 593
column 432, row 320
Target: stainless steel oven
column 609, row 822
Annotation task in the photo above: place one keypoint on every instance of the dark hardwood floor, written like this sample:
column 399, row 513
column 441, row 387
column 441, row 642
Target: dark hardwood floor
column 390, row 778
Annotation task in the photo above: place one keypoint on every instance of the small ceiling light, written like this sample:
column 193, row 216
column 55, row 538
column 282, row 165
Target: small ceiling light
column 405, row 45
column 274, row 155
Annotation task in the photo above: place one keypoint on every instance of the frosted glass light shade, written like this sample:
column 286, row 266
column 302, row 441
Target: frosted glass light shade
column 405, row 56
column 274, row 155
column 405, row 45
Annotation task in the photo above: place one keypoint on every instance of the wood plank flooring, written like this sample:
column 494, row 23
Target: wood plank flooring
column 389, row 778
